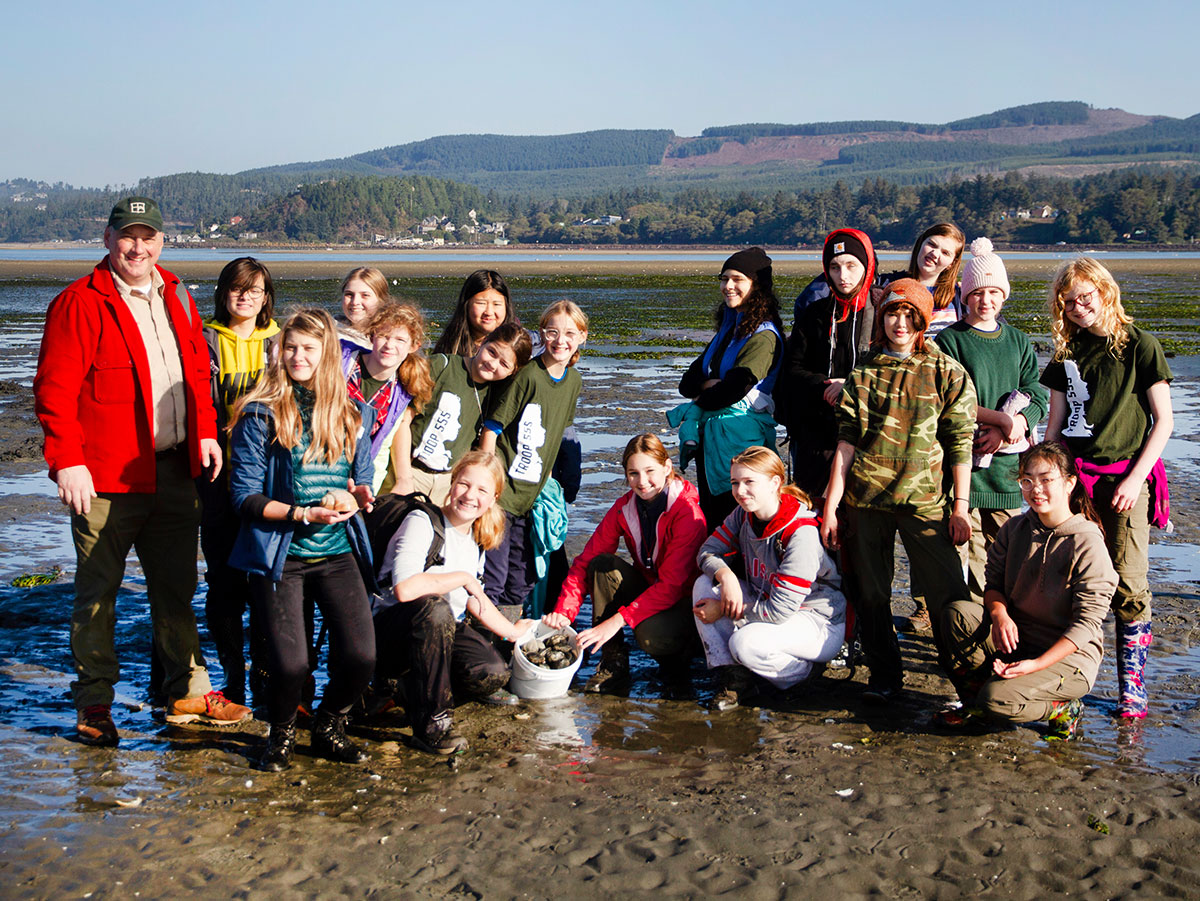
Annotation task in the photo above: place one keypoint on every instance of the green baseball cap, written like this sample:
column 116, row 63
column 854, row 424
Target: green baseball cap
column 136, row 211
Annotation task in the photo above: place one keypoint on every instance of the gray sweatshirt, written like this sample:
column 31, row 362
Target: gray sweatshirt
column 787, row 569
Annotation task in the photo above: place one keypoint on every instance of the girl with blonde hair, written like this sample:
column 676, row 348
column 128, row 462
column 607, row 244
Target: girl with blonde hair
column 421, row 626
column 787, row 611
column 363, row 290
column 1110, row 404
column 297, row 446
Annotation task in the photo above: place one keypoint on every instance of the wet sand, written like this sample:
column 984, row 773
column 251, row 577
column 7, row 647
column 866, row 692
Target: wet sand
column 597, row 797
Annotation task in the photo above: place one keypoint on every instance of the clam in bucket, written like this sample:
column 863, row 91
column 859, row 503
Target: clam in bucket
column 531, row 681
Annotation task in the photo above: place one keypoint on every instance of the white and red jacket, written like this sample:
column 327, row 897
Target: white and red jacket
column 92, row 388
column 786, row 568
column 679, row 534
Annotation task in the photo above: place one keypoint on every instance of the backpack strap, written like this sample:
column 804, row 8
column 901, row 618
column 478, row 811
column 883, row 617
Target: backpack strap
column 436, row 555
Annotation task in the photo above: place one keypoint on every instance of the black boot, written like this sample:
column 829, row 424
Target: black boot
column 612, row 674
column 675, row 676
column 281, row 742
column 735, row 686
column 329, row 739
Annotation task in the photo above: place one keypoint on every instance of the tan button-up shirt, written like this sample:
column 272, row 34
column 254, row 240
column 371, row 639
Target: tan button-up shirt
column 149, row 309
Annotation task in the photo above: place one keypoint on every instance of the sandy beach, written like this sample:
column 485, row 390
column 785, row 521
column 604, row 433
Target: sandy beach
column 592, row 796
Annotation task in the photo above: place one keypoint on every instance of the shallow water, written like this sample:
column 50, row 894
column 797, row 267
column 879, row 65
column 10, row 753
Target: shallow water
column 644, row 332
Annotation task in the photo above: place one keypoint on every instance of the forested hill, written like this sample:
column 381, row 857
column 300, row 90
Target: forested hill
column 551, row 180
column 502, row 153
column 767, row 156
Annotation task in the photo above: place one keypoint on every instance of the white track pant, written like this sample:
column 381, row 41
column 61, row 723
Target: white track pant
column 782, row 653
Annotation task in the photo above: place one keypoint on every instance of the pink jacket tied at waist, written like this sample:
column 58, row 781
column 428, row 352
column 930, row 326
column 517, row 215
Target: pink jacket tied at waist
column 1160, row 492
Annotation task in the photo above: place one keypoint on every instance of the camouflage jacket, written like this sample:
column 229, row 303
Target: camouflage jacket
column 907, row 420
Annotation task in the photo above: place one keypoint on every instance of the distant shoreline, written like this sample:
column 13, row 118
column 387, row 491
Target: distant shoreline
column 573, row 261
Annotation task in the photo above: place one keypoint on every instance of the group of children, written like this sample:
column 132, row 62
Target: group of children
column 894, row 430
column 890, row 431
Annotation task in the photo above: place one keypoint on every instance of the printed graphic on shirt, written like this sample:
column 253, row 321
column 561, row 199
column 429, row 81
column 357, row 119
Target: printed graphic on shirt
column 527, row 465
column 444, row 426
column 234, row 384
column 1077, row 394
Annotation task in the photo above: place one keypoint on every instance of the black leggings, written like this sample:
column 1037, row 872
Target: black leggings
column 438, row 659
column 335, row 584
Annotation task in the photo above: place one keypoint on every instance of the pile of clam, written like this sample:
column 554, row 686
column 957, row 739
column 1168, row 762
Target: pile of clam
column 555, row 651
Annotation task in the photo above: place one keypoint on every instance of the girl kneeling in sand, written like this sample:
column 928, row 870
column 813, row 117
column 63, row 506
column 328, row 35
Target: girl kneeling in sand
column 297, row 437
column 662, row 525
column 420, row 625
column 788, row 611
column 1033, row 648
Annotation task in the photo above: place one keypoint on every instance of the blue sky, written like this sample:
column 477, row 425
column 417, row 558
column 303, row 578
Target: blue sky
column 101, row 94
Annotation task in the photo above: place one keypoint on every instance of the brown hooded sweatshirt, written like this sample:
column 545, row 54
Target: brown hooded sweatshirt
column 1058, row 583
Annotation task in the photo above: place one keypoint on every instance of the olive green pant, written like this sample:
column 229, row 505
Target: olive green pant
column 616, row 583
column 1021, row 699
column 985, row 526
column 163, row 528
column 868, row 562
column 1127, row 536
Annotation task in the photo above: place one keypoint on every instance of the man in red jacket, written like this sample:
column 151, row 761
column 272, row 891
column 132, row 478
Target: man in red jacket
column 122, row 392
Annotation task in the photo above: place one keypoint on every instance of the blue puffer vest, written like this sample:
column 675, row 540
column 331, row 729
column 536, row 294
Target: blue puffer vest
column 259, row 465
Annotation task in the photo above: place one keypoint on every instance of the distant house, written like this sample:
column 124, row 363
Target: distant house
column 236, row 220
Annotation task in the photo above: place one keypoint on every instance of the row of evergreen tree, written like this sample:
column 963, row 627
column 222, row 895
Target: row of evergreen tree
column 1146, row 204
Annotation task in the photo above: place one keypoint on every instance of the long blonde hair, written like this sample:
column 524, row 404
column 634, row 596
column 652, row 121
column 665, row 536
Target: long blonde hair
column 1112, row 316
column 766, row 461
column 413, row 373
column 488, row 529
column 335, row 418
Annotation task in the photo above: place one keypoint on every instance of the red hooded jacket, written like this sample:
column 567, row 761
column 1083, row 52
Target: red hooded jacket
column 680, row 532
column 92, row 388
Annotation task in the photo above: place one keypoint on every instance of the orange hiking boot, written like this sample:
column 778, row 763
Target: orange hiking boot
column 212, row 708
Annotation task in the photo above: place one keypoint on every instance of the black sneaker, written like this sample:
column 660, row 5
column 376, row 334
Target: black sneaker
column 880, row 694
column 440, row 738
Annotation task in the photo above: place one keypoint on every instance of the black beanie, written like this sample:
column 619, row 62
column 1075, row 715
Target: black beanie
column 840, row 242
column 752, row 262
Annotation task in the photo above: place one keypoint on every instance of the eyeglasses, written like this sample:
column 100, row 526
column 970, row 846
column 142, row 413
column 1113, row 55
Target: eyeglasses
column 1027, row 483
column 1070, row 303
column 553, row 334
column 248, row 293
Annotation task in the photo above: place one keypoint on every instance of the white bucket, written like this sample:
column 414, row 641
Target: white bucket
column 531, row 681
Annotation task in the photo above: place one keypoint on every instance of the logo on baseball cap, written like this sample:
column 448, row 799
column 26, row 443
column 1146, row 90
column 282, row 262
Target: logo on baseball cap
column 136, row 211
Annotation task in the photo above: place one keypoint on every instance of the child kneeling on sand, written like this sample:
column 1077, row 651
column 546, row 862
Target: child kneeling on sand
column 420, row 626
column 788, row 611
column 1034, row 646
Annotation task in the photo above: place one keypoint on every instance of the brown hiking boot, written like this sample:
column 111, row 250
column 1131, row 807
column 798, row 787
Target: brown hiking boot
column 94, row 725
column 212, row 708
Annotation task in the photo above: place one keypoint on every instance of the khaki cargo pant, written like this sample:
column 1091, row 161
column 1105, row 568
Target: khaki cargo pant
column 1022, row 699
